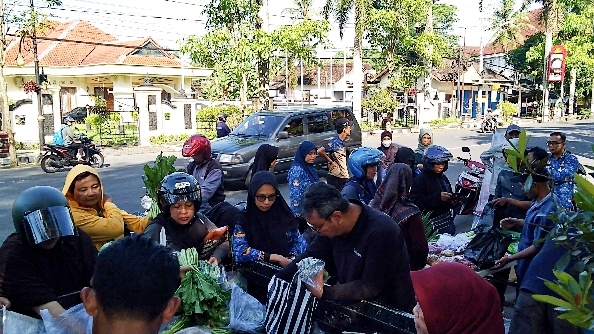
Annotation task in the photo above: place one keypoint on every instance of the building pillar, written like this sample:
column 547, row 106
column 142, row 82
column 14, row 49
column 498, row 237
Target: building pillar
column 148, row 101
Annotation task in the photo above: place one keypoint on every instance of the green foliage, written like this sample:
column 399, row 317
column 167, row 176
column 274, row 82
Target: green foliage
column 525, row 63
column 445, row 121
column 153, row 176
column 209, row 114
column 164, row 139
column 508, row 109
column 381, row 100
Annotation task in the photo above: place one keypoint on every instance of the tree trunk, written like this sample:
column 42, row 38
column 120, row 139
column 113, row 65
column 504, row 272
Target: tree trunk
column 264, row 64
column 243, row 91
column 360, row 23
column 573, row 74
column 592, row 101
column 6, row 117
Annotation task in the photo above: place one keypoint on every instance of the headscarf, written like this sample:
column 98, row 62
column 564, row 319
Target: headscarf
column 385, row 134
column 389, row 152
column 267, row 230
column 404, row 155
column 265, row 155
column 391, row 197
column 299, row 160
column 421, row 148
column 455, row 299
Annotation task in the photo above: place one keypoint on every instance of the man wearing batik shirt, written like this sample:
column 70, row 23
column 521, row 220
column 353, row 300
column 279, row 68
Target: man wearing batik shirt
column 335, row 153
column 562, row 166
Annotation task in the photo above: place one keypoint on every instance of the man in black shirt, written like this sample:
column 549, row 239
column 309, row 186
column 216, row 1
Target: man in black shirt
column 361, row 246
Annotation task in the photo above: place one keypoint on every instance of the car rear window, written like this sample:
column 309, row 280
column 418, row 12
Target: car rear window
column 318, row 123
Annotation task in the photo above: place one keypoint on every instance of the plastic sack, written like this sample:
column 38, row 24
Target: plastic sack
column 488, row 246
column 245, row 312
column 484, row 194
column 308, row 268
column 486, row 218
column 74, row 320
column 15, row 323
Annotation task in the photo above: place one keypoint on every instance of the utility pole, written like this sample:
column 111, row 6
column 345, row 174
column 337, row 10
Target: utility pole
column 40, row 118
column 479, row 96
column 6, row 117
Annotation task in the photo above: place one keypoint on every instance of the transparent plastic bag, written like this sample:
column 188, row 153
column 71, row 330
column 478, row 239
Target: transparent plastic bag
column 307, row 270
column 74, row 320
column 15, row 323
column 245, row 312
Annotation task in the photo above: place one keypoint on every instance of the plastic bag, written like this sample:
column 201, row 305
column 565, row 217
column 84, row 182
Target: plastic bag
column 245, row 312
column 486, row 218
column 484, row 194
column 15, row 323
column 307, row 270
column 74, row 320
column 488, row 246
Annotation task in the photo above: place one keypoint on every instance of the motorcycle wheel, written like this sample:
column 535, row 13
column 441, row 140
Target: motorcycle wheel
column 50, row 163
column 96, row 160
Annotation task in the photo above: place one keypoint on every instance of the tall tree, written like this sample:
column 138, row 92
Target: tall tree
column 302, row 10
column 509, row 25
column 341, row 10
column 27, row 23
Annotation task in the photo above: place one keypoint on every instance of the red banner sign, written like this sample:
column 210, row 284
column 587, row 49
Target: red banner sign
column 556, row 68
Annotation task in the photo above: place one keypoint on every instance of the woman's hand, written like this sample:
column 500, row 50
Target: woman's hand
column 213, row 260
column 183, row 270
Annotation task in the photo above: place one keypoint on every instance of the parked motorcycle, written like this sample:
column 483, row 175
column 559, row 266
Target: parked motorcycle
column 468, row 185
column 56, row 157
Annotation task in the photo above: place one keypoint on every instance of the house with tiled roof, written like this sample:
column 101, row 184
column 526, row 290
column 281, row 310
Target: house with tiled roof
column 81, row 61
column 331, row 82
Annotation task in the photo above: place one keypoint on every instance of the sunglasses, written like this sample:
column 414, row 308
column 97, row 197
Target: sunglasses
column 554, row 143
column 262, row 198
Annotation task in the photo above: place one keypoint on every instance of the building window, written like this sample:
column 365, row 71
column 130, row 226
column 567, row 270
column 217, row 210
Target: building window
column 67, row 99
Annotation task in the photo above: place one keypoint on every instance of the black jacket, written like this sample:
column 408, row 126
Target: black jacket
column 426, row 192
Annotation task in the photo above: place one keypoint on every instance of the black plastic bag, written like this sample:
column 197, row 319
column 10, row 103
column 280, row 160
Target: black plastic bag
column 487, row 246
column 486, row 219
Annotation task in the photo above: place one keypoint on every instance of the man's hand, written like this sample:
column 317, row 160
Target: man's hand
column 4, row 302
column 332, row 165
column 183, row 270
column 213, row 260
column 445, row 196
column 500, row 201
column 280, row 260
column 318, row 289
column 502, row 262
column 508, row 223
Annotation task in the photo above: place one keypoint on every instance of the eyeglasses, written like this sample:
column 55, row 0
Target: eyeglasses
column 554, row 143
column 262, row 198
column 317, row 228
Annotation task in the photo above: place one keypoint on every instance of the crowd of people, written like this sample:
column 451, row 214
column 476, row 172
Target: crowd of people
column 365, row 222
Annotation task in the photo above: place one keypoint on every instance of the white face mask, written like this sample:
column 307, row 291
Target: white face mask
column 387, row 143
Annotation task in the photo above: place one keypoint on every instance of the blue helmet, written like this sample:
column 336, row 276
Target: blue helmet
column 361, row 158
column 434, row 154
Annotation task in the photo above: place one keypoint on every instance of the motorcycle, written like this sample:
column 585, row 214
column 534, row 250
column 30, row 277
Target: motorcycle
column 468, row 184
column 489, row 124
column 56, row 157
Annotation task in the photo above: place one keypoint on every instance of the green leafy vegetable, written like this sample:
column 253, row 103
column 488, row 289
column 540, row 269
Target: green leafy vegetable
column 153, row 176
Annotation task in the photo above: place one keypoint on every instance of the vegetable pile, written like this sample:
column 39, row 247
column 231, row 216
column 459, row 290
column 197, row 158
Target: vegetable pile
column 152, row 179
column 204, row 302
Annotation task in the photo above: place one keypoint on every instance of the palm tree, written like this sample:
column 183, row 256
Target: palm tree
column 509, row 25
column 341, row 10
column 302, row 10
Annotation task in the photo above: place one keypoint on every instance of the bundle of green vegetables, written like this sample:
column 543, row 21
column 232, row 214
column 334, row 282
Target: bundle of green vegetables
column 204, row 302
column 152, row 179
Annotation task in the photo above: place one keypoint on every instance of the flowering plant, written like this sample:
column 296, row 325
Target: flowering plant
column 30, row 86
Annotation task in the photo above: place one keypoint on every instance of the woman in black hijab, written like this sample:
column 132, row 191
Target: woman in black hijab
column 265, row 158
column 268, row 230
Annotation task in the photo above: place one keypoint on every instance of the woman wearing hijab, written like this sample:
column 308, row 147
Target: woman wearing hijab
column 406, row 156
column 392, row 199
column 389, row 150
column 425, row 140
column 268, row 230
column 302, row 174
column 265, row 158
column 453, row 299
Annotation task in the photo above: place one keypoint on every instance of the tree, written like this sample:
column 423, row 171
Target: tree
column 28, row 23
column 302, row 10
column 509, row 25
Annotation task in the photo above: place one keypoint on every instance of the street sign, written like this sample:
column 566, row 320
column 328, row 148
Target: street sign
column 556, row 68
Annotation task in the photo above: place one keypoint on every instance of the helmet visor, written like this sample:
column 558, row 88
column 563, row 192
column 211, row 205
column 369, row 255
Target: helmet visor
column 170, row 199
column 49, row 223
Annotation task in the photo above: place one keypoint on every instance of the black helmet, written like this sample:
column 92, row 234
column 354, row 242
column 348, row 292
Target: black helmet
column 42, row 213
column 177, row 187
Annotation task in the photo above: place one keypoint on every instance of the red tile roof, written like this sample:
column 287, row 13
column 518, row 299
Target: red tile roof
column 80, row 43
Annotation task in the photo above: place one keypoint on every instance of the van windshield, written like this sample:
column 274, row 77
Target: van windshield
column 258, row 126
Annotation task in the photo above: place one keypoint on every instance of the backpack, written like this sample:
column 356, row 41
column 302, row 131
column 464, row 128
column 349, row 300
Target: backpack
column 58, row 137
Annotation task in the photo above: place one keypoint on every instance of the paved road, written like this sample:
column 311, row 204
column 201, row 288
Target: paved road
column 122, row 178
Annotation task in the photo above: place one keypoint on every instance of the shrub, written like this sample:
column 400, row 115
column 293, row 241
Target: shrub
column 209, row 114
column 508, row 109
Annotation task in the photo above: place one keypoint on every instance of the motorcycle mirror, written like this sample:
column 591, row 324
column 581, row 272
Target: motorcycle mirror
column 465, row 149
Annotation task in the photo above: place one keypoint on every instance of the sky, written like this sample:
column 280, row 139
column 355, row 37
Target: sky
column 168, row 21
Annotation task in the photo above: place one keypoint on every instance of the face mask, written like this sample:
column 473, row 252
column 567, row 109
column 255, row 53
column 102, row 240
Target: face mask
column 387, row 143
